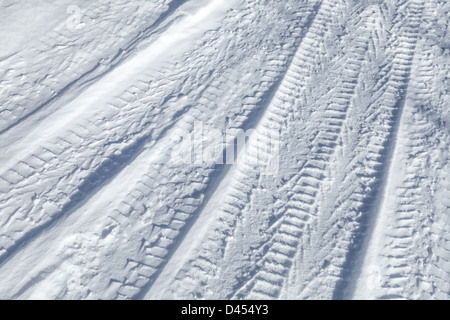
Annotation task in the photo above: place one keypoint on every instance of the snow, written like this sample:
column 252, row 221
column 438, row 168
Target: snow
column 23, row 21
column 168, row 149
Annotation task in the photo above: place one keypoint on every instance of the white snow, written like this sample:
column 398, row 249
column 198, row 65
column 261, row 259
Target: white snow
column 340, row 192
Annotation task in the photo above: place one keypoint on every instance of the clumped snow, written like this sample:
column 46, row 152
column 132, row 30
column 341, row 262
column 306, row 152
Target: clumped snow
column 194, row 149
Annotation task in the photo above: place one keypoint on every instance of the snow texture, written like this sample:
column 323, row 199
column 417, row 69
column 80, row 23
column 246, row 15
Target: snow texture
column 224, row 149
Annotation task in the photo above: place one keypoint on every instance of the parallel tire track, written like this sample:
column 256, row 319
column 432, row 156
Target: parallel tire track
column 344, row 87
column 280, row 250
column 386, row 115
column 414, row 265
column 401, row 237
column 299, row 211
column 259, row 153
column 166, row 211
column 77, row 70
column 253, row 160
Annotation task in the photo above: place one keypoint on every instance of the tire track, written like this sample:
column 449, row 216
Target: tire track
column 433, row 279
column 161, row 222
column 342, row 87
column 256, row 154
column 163, row 253
column 77, row 76
column 204, row 266
column 68, row 184
column 388, row 114
column 410, row 260
column 292, row 229
column 410, row 204
column 104, row 145
column 344, row 201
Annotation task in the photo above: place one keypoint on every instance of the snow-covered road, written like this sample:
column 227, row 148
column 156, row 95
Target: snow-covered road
column 224, row 149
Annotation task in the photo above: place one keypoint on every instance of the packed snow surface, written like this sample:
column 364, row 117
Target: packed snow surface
column 224, row 149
